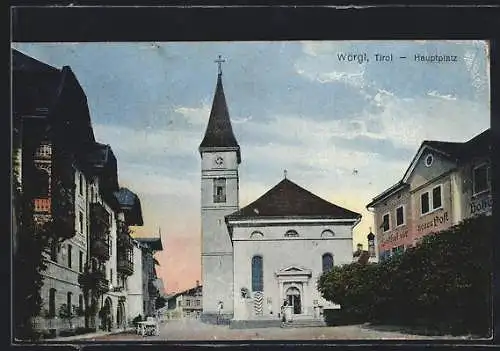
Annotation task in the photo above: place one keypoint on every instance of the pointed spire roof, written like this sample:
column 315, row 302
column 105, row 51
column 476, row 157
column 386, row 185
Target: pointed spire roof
column 219, row 133
column 287, row 199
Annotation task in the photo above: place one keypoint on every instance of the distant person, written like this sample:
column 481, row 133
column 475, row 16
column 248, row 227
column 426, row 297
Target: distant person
column 220, row 308
column 283, row 313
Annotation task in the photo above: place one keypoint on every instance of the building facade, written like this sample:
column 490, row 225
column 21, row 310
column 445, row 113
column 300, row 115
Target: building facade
column 69, row 180
column 185, row 304
column 268, row 236
column 150, row 290
column 445, row 183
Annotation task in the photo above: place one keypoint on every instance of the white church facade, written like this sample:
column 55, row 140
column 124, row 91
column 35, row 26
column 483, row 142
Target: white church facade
column 271, row 251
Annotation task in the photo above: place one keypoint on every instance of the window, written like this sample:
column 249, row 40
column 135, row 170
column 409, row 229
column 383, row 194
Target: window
column 111, row 276
column 219, row 190
column 257, row 274
column 480, row 177
column 80, row 217
column 188, row 303
column 80, row 302
column 80, row 262
column 256, row 235
column 327, row 233
column 52, row 302
column 179, row 303
column 327, row 260
column 70, row 253
column 436, row 197
column 68, row 302
column 385, row 222
column 400, row 219
column 198, row 302
column 424, row 203
column 291, row 234
column 428, row 160
column 53, row 250
column 80, row 185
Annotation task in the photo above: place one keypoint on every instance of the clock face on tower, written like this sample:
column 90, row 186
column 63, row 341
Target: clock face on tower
column 219, row 161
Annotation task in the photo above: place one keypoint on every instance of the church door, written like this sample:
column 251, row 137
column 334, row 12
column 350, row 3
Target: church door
column 293, row 297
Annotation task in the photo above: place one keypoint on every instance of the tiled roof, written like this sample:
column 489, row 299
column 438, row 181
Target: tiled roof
column 131, row 204
column 219, row 132
column 152, row 243
column 287, row 199
column 23, row 62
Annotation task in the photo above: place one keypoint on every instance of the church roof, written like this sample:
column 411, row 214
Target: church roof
column 219, row 132
column 287, row 199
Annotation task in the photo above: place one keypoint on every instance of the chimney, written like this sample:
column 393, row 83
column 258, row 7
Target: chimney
column 197, row 283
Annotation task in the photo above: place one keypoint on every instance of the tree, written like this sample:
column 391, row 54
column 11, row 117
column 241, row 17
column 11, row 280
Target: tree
column 68, row 313
column 453, row 269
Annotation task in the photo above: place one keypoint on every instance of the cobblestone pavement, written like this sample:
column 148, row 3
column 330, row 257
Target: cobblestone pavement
column 182, row 330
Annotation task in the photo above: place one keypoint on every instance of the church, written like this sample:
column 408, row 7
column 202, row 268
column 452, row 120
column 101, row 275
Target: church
column 274, row 249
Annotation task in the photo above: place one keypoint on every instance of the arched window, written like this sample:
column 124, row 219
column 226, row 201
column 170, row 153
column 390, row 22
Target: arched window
column 257, row 274
column 291, row 234
column 68, row 303
column 327, row 262
column 327, row 233
column 52, row 302
column 256, row 235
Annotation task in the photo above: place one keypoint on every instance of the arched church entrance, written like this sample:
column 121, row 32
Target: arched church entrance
column 294, row 299
column 120, row 315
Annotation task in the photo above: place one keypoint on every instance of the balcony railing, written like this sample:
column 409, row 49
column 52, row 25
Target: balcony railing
column 100, row 247
column 41, row 206
column 125, row 266
column 99, row 215
column 99, row 281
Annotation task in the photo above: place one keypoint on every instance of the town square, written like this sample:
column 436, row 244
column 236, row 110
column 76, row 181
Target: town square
column 251, row 191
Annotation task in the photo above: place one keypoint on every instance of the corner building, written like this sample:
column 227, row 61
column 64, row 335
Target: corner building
column 445, row 183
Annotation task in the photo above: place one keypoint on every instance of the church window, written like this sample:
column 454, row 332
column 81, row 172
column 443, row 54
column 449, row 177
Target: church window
column 52, row 302
column 256, row 235
column 257, row 274
column 219, row 190
column 291, row 234
column 327, row 262
column 327, row 233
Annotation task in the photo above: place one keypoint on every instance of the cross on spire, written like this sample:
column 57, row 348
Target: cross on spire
column 285, row 172
column 219, row 62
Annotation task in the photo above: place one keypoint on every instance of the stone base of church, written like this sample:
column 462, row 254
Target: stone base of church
column 254, row 323
column 214, row 318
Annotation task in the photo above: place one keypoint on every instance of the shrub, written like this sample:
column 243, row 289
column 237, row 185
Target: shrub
column 443, row 284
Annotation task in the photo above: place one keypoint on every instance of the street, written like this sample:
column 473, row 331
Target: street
column 191, row 329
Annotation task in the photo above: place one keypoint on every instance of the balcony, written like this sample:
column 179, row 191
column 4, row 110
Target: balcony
column 99, row 281
column 125, row 266
column 99, row 215
column 100, row 247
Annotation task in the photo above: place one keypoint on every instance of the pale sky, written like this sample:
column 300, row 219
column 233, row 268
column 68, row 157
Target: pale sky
column 344, row 131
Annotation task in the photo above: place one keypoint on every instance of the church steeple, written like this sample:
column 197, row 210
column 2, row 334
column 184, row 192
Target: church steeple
column 219, row 133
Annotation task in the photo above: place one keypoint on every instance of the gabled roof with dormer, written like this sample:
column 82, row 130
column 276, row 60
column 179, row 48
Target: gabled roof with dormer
column 219, row 133
column 289, row 200
column 457, row 152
